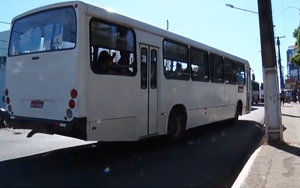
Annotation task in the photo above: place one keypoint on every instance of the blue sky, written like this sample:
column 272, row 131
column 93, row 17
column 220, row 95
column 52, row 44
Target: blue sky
column 207, row 21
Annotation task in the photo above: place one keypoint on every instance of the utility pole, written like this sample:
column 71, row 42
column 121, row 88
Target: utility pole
column 279, row 64
column 273, row 119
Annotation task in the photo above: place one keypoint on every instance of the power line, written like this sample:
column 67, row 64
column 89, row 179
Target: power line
column 5, row 22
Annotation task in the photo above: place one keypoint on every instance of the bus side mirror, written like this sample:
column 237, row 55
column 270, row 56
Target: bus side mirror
column 253, row 77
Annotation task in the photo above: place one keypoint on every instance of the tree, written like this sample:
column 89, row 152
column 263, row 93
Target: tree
column 296, row 31
column 296, row 58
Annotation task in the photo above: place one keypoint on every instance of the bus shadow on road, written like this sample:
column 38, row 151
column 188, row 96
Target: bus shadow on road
column 210, row 155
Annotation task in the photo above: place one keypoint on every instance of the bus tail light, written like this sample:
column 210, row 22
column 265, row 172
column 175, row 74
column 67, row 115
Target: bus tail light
column 7, row 100
column 74, row 93
column 72, row 104
column 6, row 95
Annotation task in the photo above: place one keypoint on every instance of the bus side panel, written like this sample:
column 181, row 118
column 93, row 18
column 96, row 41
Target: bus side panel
column 231, row 101
column 113, row 107
column 204, row 101
column 214, row 100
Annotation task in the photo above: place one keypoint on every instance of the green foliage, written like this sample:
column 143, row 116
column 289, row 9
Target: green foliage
column 296, row 58
column 296, row 31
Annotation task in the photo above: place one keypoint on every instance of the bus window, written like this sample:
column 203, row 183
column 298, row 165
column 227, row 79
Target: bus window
column 240, row 73
column 112, row 49
column 153, row 69
column 176, row 61
column 144, row 63
column 49, row 30
column 216, row 68
column 199, row 65
column 229, row 71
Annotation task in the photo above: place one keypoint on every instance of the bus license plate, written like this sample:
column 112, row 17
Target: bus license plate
column 37, row 104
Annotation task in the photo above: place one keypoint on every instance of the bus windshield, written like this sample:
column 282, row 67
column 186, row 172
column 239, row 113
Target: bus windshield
column 49, row 30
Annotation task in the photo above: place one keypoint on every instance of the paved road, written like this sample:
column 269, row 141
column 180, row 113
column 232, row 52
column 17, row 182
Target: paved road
column 211, row 155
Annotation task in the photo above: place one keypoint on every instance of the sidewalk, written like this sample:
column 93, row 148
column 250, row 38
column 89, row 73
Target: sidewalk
column 276, row 165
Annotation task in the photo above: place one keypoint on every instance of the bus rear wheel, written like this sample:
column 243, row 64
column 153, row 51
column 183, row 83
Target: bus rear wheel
column 237, row 113
column 176, row 124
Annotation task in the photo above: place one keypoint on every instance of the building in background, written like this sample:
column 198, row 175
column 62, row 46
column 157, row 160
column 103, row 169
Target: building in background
column 293, row 71
column 4, row 37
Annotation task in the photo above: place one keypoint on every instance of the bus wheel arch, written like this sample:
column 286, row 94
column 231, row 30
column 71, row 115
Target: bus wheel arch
column 177, row 120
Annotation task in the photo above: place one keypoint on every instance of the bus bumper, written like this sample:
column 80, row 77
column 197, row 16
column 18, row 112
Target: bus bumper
column 75, row 128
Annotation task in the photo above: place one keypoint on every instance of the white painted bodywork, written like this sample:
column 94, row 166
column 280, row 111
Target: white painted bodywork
column 116, row 107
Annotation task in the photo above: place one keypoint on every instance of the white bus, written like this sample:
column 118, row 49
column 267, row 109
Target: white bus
column 78, row 70
column 255, row 92
column 261, row 93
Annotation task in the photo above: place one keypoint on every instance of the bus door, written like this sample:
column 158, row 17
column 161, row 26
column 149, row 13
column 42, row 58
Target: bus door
column 148, row 57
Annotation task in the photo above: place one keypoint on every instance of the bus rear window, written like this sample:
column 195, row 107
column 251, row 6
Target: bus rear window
column 49, row 30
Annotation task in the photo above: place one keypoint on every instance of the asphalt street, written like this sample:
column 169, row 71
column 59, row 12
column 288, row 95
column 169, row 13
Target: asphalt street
column 211, row 155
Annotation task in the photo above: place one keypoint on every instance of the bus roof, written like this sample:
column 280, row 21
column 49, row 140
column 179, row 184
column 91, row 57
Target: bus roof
column 93, row 10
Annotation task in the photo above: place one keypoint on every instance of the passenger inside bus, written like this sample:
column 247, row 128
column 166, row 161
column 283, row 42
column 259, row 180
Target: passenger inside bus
column 124, row 62
column 106, row 62
column 179, row 69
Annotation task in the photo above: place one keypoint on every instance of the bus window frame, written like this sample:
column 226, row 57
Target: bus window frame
column 134, row 47
column 211, row 68
column 237, row 63
column 46, row 51
column 234, row 69
column 186, row 78
column 208, row 65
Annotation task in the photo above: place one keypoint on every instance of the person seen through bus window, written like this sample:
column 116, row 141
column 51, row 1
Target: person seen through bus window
column 106, row 62
column 179, row 69
column 124, row 62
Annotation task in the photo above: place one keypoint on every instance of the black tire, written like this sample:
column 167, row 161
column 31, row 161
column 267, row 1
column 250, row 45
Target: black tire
column 1, row 123
column 176, row 125
column 237, row 113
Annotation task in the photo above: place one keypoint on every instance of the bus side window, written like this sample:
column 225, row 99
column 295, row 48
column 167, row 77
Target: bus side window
column 144, row 59
column 199, row 65
column 118, row 42
column 176, row 61
column 229, row 71
column 240, row 73
column 216, row 68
